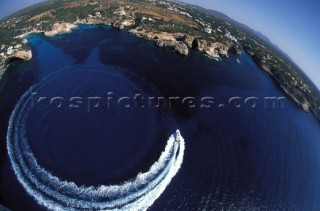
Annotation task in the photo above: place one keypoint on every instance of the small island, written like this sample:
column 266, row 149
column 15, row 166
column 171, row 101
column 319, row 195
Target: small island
column 180, row 27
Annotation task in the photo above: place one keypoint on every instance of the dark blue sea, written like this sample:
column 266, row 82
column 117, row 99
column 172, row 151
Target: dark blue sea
column 242, row 151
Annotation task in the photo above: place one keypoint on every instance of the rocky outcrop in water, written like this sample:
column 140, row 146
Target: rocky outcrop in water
column 216, row 49
column 212, row 49
column 188, row 40
column 199, row 44
column 178, row 46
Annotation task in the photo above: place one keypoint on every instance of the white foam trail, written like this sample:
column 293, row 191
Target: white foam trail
column 48, row 190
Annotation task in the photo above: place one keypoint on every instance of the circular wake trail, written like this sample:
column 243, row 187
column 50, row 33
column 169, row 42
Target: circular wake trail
column 50, row 191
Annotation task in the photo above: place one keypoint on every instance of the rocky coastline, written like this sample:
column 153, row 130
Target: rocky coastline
column 12, row 55
column 182, row 43
column 179, row 42
column 296, row 95
column 169, row 25
column 121, row 18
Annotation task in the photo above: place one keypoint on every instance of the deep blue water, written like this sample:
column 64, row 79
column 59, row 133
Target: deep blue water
column 235, row 158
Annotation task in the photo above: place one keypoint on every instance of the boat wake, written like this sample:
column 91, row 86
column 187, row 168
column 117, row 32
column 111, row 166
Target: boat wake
column 50, row 191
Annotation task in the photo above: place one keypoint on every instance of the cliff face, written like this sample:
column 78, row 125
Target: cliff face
column 16, row 54
column 178, row 46
column 212, row 49
column 181, row 43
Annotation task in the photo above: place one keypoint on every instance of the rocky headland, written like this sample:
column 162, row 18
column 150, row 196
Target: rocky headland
column 181, row 43
column 13, row 53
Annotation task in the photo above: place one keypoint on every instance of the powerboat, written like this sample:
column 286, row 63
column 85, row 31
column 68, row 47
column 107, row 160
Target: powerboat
column 178, row 136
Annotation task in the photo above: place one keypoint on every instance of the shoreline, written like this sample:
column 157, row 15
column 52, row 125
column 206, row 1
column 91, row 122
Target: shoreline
column 24, row 55
column 168, row 40
column 144, row 26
